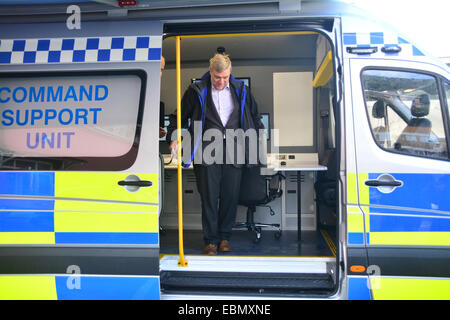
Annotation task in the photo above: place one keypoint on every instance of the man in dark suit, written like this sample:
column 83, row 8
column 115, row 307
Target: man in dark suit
column 221, row 103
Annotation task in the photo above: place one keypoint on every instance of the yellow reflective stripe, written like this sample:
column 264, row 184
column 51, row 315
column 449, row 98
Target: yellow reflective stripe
column 104, row 186
column 411, row 238
column 105, row 222
column 363, row 189
column 352, row 195
column 355, row 222
column 72, row 205
column 365, row 209
column 367, row 222
column 27, row 288
column 410, row 288
column 354, row 219
column 27, row 238
column 354, row 209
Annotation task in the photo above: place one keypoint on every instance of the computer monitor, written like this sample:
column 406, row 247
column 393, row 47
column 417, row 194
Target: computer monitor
column 246, row 80
column 163, row 145
column 166, row 123
column 265, row 119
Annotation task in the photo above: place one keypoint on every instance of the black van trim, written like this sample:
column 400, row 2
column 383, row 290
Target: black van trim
column 90, row 260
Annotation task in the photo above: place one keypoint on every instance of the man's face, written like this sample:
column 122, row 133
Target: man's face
column 220, row 79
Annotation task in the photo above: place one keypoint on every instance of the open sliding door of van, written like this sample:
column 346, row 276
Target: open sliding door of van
column 79, row 162
column 290, row 69
column 400, row 120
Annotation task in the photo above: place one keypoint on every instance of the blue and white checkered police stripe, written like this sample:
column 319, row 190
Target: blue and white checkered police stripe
column 381, row 39
column 76, row 50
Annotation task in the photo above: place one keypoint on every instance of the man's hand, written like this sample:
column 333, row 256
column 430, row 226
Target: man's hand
column 173, row 147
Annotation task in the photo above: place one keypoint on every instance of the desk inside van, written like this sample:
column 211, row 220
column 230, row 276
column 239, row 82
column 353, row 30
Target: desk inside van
column 294, row 162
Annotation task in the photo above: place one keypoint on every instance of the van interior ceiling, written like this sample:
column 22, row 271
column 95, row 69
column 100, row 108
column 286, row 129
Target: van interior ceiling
column 291, row 77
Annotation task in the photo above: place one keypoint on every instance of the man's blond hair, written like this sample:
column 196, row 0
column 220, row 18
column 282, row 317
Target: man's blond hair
column 219, row 63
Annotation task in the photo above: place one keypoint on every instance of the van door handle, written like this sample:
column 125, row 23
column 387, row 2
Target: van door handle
column 140, row 183
column 133, row 183
column 378, row 183
column 385, row 183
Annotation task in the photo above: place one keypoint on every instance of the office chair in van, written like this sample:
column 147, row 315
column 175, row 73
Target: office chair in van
column 259, row 190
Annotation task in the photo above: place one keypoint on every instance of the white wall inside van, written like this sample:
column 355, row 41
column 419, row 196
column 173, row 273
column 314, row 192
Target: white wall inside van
column 293, row 108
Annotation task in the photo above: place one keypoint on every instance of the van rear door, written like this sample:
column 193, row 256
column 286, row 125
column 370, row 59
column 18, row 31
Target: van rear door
column 403, row 175
column 79, row 162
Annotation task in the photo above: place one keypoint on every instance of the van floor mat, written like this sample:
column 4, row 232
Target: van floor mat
column 244, row 282
column 313, row 244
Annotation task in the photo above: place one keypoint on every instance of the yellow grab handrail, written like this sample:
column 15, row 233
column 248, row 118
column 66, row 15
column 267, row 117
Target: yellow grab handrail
column 244, row 34
column 182, row 262
column 325, row 71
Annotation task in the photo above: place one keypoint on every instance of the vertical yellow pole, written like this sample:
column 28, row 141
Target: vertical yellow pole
column 182, row 262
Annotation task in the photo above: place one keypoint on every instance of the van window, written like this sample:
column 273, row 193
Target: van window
column 68, row 121
column 405, row 112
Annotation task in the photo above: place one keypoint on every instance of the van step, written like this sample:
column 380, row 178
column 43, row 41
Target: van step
column 237, row 264
column 243, row 282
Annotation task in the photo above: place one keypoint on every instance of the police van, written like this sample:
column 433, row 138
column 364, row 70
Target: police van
column 94, row 206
